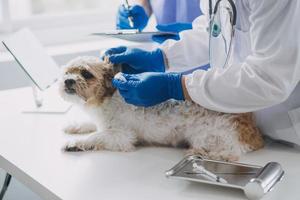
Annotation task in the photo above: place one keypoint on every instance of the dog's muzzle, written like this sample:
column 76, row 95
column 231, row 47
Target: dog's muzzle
column 69, row 86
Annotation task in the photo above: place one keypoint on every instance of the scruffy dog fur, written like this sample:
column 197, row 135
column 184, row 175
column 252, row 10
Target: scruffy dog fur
column 118, row 126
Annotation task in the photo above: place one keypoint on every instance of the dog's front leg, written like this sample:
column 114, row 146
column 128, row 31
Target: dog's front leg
column 113, row 140
column 80, row 127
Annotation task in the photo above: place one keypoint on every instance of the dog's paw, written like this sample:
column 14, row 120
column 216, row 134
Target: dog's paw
column 230, row 158
column 77, row 128
column 72, row 147
column 85, row 145
column 200, row 152
column 224, row 156
column 78, row 146
column 127, row 148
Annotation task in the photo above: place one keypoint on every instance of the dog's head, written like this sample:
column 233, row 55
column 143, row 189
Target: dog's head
column 87, row 80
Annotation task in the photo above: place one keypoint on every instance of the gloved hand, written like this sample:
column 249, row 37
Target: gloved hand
column 136, row 60
column 174, row 27
column 138, row 13
column 149, row 88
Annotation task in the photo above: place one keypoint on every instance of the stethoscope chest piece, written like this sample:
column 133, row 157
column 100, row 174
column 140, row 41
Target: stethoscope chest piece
column 216, row 30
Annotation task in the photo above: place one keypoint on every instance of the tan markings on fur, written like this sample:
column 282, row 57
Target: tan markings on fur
column 106, row 60
column 75, row 70
column 104, row 88
column 247, row 130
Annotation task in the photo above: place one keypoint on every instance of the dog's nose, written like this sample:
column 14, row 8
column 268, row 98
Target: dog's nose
column 69, row 82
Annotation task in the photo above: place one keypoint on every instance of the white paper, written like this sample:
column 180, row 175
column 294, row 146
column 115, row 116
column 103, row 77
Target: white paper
column 133, row 35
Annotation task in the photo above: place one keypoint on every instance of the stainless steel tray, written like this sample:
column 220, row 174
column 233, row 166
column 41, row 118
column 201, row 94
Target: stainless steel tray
column 256, row 181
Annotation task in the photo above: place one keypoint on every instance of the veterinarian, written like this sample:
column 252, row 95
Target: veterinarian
column 174, row 15
column 253, row 48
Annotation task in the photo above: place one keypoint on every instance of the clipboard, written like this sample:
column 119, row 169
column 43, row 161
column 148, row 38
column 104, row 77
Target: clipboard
column 134, row 35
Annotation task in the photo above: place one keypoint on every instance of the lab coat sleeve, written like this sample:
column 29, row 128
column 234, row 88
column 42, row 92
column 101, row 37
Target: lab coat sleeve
column 192, row 48
column 267, row 76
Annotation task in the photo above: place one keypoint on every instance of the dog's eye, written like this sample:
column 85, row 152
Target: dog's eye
column 86, row 74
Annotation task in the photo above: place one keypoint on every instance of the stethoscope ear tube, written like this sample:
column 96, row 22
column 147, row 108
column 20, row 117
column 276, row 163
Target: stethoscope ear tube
column 215, row 33
column 216, row 9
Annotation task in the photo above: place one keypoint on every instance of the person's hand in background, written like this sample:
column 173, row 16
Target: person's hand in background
column 149, row 88
column 136, row 60
column 138, row 14
column 174, row 27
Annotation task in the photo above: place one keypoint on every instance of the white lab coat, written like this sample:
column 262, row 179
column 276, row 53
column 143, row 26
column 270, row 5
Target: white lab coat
column 263, row 71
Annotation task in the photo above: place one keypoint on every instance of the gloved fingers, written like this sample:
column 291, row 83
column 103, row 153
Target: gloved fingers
column 126, row 81
column 185, row 26
column 127, row 69
column 167, row 27
column 120, row 55
column 136, row 10
column 120, row 58
column 115, row 50
column 134, row 100
column 140, row 17
column 131, row 79
column 161, row 38
column 123, row 12
column 122, row 23
column 174, row 27
column 120, row 84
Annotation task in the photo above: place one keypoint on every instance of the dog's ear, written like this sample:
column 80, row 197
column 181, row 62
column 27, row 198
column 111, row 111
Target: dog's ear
column 109, row 71
column 116, row 68
column 106, row 59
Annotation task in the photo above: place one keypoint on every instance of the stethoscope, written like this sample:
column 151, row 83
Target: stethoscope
column 222, row 21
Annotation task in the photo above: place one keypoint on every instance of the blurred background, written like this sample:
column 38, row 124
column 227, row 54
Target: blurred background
column 55, row 16
column 62, row 26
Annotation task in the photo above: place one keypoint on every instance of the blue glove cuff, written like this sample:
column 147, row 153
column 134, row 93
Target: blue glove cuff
column 158, row 60
column 174, row 86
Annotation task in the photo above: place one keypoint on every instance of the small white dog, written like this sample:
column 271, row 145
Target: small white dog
column 119, row 126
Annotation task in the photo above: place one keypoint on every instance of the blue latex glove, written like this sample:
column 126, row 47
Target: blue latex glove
column 149, row 88
column 138, row 13
column 136, row 60
column 174, row 27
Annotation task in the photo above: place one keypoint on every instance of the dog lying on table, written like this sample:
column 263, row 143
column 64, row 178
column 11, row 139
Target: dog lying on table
column 118, row 126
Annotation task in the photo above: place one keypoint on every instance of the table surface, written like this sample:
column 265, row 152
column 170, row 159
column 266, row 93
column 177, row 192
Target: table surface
column 30, row 149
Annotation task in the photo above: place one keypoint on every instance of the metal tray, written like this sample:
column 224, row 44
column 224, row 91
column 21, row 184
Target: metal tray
column 256, row 181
